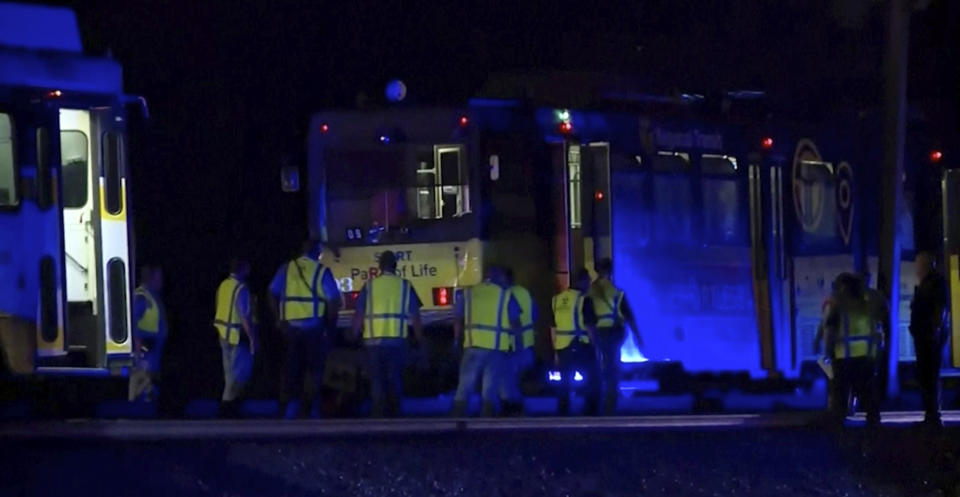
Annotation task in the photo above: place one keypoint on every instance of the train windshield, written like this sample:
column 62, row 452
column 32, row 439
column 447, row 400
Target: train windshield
column 396, row 186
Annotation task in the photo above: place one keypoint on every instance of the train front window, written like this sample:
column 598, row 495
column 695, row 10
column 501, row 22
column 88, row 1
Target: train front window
column 8, row 172
column 73, row 156
column 396, row 185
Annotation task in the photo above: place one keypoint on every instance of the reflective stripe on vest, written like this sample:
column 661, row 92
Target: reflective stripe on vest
column 607, row 301
column 568, row 316
column 526, row 318
column 303, row 297
column 150, row 321
column 387, row 302
column 228, row 319
column 858, row 338
column 486, row 321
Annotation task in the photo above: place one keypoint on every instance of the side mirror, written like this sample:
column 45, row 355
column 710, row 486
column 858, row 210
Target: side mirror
column 494, row 167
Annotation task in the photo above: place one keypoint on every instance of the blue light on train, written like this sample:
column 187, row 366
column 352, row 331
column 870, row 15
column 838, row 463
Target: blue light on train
column 557, row 377
column 577, row 376
column 384, row 139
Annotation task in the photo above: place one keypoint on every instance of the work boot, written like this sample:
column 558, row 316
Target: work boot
column 459, row 409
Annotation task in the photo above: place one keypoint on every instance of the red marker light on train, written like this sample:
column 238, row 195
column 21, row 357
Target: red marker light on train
column 767, row 143
column 598, row 195
column 324, row 128
column 441, row 296
column 566, row 127
column 464, row 121
column 935, row 156
column 55, row 94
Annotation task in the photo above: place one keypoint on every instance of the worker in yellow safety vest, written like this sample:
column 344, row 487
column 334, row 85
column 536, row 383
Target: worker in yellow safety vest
column 486, row 322
column 574, row 343
column 233, row 320
column 149, row 334
column 386, row 308
column 613, row 316
column 853, row 341
column 521, row 358
column 305, row 298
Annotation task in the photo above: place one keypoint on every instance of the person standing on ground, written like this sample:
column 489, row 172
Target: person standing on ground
column 613, row 316
column 521, row 357
column 234, row 323
column 854, row 344
column 487, row 320
column 927, row 313
column 574, row 343
column 386, row 307
column 306, row 299
column 149, row 334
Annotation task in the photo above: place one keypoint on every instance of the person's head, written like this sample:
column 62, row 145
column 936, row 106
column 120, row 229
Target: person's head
column 508, row 276
column 605, row 268
column 312, row 248
column 151, row 277
column 388, row 261
column 581, row 280
column 924, row 264
column 848, row 285
column 239, row 268
column 494, row 274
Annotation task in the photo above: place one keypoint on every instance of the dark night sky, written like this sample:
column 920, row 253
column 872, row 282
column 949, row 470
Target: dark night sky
column 231, row 86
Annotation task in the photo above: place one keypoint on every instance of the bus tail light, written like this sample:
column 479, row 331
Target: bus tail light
column 442, row 296
column 350, row 300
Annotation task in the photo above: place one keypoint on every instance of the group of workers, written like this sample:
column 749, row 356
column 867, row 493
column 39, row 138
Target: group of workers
column 853, row 336
column 493, row 329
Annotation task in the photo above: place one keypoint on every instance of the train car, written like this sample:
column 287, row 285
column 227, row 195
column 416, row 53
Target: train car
column 65, row 250
column 453, row 190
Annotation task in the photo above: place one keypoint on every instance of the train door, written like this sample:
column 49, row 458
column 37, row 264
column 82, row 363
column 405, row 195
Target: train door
column 771, row 279
column 951, row 254
column 31, row 256
column 112, row 240
column 583, row 195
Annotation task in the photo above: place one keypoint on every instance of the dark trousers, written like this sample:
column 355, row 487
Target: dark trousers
column 385, row 367
column 857, row 376
column 929, row 349
column 306, row 354
column 579, row 358
column 609, row 340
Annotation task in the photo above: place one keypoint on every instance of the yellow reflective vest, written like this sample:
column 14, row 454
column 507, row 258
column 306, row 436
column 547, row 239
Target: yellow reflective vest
column 526, row 318
column 303, row 297
column 857, row 335
column 386, row 308
column 229, row 316
column 150, row 321
column 607, row 302
column 568, row 318
column 486, row 319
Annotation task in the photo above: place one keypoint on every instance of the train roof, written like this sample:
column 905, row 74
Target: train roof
column 40, row 47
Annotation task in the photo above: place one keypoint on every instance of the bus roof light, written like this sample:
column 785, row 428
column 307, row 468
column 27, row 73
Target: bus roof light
column 55, row 94
column 598, row 195
column 936, row 156
column 566, row 127
column 324, row 128
column 767, row 143
column 464, row 121
column 384, row 139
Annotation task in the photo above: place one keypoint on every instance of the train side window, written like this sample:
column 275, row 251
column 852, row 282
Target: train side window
column 44, row 170
column 112, row 170
column 9, row 194
column 724, row 222
column 73, row 156
column 673, row 200
column 671, row 162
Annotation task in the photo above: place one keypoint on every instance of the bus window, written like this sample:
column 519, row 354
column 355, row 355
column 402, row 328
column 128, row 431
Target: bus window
column 112, row 172
column 73, row 156
column 723, row 221
column 672, row 199
column 453, row 182
column 8, row 172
